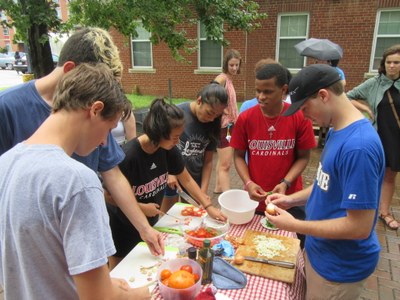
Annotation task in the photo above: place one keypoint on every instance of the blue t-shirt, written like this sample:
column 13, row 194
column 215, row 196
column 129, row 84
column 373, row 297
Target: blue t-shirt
column 349, row 177
column 248, row 104
column 23, row 110
column 341, row 73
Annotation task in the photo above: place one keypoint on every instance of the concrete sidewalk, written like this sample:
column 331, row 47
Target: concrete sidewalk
column 384, row 284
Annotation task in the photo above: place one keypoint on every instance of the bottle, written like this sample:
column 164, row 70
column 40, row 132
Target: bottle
column 192, row 253
column 206, row 258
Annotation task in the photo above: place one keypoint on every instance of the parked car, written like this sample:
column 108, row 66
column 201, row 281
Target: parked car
column 20, row 65
column 6, row 61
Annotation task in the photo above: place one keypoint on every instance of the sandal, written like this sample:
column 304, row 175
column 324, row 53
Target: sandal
column 388, row 219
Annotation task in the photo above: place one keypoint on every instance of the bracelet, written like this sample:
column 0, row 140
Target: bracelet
column 247, row 183
column 207, row 206
column 288, row 183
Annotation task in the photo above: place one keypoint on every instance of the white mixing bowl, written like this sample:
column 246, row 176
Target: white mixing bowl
column 237, row 206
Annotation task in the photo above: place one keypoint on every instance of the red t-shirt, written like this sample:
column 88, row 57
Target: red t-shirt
column 271, row 144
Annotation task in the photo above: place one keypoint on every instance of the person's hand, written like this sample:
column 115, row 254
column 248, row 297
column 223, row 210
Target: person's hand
column 215, row 213
column 280, row 188
column 141, row 293
column 281, row 200
column 150, row 209
column 256, row 192
column 370, row 114
column 120, row 283
column 173, row 183
column 282, row 219
column 154, row 240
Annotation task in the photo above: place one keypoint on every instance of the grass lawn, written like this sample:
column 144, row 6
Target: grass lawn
column 144, row 101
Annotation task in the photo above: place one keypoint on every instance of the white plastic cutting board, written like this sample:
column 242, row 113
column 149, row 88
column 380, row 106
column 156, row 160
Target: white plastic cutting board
column 130, row 267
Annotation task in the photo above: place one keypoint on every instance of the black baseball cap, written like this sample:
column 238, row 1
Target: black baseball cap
column 309, row 81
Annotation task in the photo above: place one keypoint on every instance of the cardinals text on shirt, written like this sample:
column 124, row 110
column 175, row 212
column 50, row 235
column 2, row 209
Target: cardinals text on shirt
column 271, row 147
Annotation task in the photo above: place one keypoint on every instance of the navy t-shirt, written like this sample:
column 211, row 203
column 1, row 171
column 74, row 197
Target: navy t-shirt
column 23, row 110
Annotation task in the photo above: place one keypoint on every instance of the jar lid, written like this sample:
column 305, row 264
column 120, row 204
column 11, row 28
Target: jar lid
column 192, row 252
column 206, row 243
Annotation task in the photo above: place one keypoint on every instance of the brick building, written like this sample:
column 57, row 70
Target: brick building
column 363, row 28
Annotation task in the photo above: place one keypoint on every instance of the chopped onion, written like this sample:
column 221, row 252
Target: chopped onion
column 268, row 247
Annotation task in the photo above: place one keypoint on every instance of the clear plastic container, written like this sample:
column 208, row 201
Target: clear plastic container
column 221, row 228
column 180, row 294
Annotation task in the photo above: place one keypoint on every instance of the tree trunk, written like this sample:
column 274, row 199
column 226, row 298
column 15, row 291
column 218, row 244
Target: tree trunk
column 39, row 56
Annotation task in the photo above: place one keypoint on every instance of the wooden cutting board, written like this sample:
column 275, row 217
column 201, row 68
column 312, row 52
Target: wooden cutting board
column 265, row 270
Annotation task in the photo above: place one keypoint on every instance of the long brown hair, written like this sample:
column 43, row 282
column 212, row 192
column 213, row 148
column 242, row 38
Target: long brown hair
column 231, row 53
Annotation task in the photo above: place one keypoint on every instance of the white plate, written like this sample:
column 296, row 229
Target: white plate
column 264, row 224
column 188, row 222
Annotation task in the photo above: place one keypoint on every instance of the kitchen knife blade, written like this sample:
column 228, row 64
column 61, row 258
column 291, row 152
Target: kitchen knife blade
column 279, row 263
column 187, row 198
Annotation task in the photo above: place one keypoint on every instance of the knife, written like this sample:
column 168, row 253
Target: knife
column 188, row 199
column 279, row 263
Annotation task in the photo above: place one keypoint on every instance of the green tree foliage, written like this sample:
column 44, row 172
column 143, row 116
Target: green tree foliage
column 164, row 18
column 33, row 19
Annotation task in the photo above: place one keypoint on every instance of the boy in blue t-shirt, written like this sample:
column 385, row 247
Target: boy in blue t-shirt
column 341, row 205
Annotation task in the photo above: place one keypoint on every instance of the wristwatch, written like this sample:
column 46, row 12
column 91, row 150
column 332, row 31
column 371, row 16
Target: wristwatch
column 288, row 183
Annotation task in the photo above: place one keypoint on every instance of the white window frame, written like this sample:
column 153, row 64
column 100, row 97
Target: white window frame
column 278, row 35
column 376, row 36
column 6, row 31
column 58, row 9
column 206, row 69
column 151, row 53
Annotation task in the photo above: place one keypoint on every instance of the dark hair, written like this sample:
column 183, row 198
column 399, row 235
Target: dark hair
column 333, row 62
column 214, row 94
column 281, row 74
column 161, row 119
column 231, row 53
column 91, row 45
column 389, row 51
column 87, row 83
column 262, row 62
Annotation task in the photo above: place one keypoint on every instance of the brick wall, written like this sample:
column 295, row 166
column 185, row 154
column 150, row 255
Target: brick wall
column 349, row 23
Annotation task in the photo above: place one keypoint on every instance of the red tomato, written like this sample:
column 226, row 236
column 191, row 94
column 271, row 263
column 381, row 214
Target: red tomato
column 187, row 268
column 196, row 277
column 165, row 274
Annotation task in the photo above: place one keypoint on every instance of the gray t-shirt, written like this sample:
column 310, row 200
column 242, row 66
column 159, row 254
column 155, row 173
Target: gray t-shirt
column 194, row 142
column 53, row 223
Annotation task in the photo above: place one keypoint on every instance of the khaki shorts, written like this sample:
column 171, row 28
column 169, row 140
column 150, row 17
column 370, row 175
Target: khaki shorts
column 318, row 288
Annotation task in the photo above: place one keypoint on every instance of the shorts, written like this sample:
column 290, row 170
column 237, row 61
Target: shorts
column 318, row 288
column 168, row 192
column 124, row 234
column 223, row 142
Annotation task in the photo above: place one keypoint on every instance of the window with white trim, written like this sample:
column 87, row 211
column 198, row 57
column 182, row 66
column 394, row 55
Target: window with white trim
column 3, row 16
column 387, row 33
column 210, row 52
column 58, row 9
column 142, row 55
column 292, row 29
column 6, row 31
